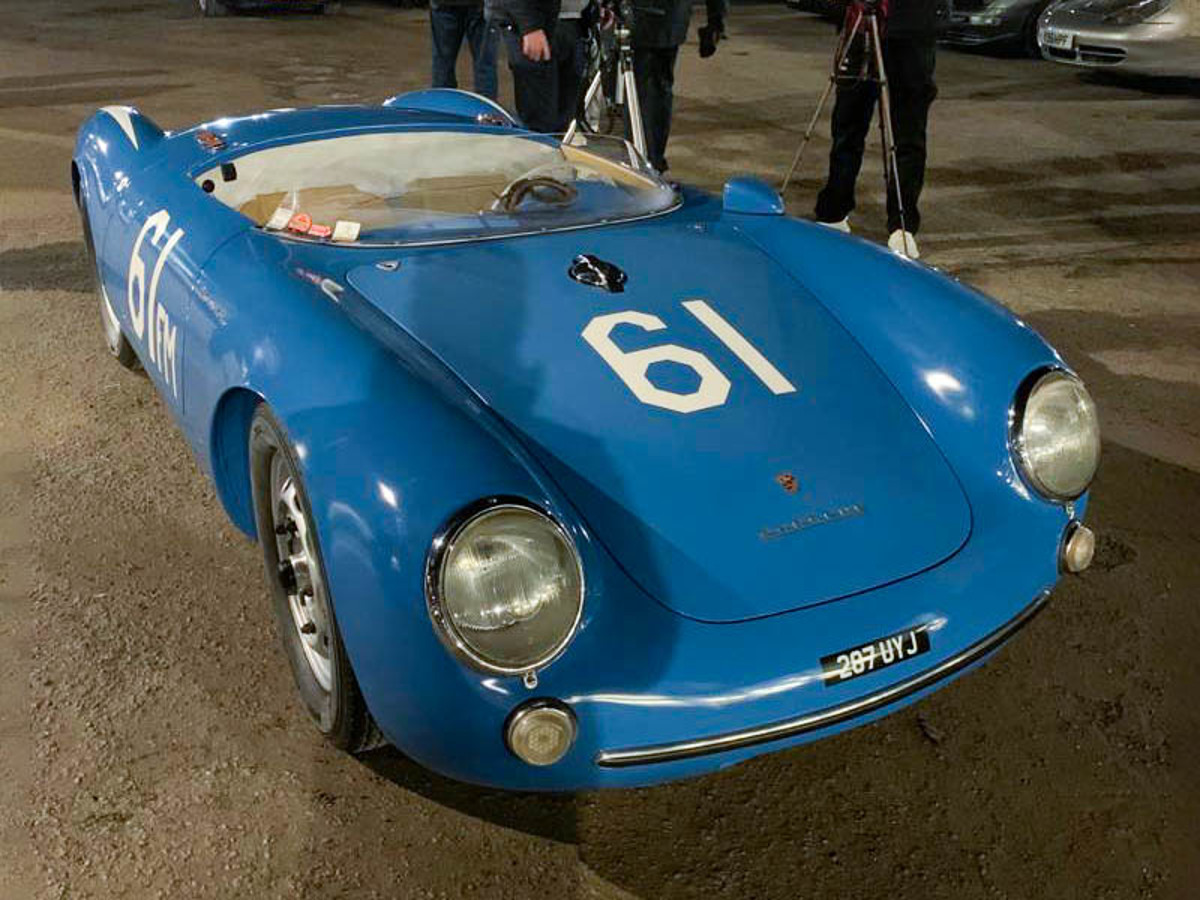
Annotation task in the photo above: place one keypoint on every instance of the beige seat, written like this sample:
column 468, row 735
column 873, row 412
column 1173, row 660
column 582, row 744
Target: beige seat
column 325, row 204
column 452, row 195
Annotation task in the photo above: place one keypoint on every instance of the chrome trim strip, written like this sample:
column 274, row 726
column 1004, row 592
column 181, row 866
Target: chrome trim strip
column 750, row 737
column 469, row 239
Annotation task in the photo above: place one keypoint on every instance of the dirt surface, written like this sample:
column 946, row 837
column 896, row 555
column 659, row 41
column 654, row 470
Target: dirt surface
column 150, row 741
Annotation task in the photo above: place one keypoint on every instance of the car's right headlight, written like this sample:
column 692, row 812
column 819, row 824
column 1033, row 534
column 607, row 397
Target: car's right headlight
column 505, row 588
column 1055, row 434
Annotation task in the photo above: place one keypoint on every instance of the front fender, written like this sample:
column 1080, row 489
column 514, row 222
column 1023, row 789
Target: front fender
column 956, row 356
column 391, row 447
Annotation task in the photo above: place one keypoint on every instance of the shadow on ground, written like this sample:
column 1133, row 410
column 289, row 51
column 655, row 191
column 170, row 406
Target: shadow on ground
column 63, row 266
column 1150, row 85
column 1058, row 769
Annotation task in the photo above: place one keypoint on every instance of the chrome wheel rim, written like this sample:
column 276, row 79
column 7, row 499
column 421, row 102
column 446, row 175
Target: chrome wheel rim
column 112, row 327
column 300, row 576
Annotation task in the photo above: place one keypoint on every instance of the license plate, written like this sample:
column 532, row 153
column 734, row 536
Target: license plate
column 1060, row 40
column 874, row 655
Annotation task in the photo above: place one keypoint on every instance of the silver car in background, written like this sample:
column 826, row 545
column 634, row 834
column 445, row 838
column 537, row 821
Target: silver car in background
column 1152, row 36
column 1011, row 24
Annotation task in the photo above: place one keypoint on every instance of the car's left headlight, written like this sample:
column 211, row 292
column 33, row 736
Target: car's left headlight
column 1055, row 434
column 505, row 588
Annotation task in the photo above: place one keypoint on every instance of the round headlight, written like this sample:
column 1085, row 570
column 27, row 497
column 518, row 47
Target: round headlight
column 1056, row 435
column 505, row 589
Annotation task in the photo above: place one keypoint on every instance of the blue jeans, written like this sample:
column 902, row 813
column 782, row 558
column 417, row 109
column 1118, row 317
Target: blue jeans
column 452, row 23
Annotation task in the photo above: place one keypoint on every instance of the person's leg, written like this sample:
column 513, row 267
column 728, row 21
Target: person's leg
column 654, row 73
column 534, row 84
column 446, row 25
column 910, row 65
column 852, row 111
column 482, row 38
column 570, row 60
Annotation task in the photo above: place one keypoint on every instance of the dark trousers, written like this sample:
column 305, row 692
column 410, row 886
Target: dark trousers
column 568, row 54
column 909, row 63
column 535, row 84
column 654, row 74
column 450, row 25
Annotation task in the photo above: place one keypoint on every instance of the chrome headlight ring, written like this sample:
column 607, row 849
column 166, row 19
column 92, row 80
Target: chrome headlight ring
column 440, row 606
column 1029, row 458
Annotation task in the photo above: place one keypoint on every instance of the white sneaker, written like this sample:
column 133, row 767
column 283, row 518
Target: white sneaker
column 843, row 225
column 904, row 243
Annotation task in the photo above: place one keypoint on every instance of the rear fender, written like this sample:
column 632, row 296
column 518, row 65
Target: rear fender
column 454, row 102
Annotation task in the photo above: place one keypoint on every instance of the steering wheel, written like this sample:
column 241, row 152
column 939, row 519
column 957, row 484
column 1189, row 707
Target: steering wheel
column 541, row 188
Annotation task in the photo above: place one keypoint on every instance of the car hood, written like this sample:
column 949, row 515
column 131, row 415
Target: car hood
column 1096, row 12
column 770, row 499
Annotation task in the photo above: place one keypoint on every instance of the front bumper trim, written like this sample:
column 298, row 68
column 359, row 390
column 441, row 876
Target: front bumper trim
column 751, row 737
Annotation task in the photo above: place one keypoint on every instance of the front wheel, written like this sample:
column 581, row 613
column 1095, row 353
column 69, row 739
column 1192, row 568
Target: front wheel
column 1029, row 33
column 299, row 591
column 114, row 337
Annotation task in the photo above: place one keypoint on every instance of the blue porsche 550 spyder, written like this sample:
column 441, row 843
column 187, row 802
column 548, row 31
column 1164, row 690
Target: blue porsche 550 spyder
column 566, row 477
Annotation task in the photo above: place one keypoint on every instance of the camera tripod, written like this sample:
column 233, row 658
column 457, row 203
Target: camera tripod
column 626, row 94
column 862, row 24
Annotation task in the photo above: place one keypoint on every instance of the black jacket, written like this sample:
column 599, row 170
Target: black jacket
column 524, row 15
column 916, row 18
column 664, row 23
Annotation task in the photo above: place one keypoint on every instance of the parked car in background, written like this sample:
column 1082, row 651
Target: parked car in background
column 1010, row 24
column 1153, row 36
column 223, row 7
column 830, row 10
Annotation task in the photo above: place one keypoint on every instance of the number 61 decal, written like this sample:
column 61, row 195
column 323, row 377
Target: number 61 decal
column 631, row 366
column 150, row 320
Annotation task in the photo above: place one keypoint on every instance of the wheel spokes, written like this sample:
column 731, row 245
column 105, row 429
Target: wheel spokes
column 300, row 575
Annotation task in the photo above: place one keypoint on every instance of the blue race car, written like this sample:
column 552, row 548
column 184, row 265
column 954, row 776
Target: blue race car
column 564, row 476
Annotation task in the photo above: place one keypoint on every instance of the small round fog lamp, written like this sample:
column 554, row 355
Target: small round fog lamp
column 540, row 733
column 1078, row 548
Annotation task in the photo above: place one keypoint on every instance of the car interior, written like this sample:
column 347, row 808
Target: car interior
column 390, row 179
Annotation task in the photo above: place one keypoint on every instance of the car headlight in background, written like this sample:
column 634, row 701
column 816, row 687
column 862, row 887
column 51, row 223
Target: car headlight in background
column 505, row 588
column 1055, row 434
column 991, row 15
column 1137, row 11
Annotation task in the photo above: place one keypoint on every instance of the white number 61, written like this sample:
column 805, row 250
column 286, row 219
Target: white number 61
column 631, row 367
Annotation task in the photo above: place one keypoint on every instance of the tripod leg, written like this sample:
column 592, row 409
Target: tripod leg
column 890, row 166
column 808, row 133
column 580, row 119
column 634, row 107
column 839, row 59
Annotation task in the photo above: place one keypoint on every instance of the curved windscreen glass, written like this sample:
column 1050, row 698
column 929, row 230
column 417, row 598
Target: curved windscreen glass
column 420, row 186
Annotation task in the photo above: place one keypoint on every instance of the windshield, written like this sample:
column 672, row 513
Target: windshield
column 421, row 186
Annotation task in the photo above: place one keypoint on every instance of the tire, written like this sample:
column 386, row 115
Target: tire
column 299, row 591
column 114, row 337
column 212, row 8
column 1029, row 33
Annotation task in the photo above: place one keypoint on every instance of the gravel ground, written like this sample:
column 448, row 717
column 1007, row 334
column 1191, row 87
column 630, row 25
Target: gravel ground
column 150, row 741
